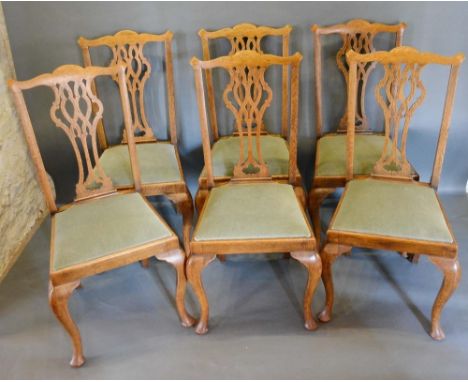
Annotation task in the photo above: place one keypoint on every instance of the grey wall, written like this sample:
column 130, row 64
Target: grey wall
column 43, row 36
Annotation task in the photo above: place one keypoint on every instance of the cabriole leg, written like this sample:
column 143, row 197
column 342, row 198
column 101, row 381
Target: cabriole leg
column 58, row 300
column 177, row 259
column 195, row 265
column 312, row 262
column 452, row 272
column 329, row 254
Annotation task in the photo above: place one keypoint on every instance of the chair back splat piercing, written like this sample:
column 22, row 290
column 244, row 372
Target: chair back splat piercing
column 253, row 212
column 161, row 169
column 245, row 37
column 330, row 151
column 101, row 229
column 390, row 209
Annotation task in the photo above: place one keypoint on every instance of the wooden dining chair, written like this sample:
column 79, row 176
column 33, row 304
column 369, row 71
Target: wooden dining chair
column 101, row 229
column 253, row 212
column 330, row 151
column 225, row 148
column 390, row 210
column 161, row 170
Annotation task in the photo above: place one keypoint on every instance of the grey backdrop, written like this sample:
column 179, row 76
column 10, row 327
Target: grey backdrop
column 43, row 36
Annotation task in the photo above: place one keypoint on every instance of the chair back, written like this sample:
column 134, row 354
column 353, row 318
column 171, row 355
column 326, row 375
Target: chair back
column 399, row 93
column 248, row 96
column 127, row 49
column 77, row 111
column 357, row 35
column 246, row 37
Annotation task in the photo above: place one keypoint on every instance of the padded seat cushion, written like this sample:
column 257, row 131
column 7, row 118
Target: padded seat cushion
column 391, row 208
column 157, row 161
column 331, row 160
column 251, row 211
column 101, row 227
column 225, row 153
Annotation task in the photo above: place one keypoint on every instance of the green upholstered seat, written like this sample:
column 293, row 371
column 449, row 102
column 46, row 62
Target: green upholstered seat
column 331, row 149
column 225, row 153
column 251, row 211
column 391, row 208
column 157, row 161
column 90, row 230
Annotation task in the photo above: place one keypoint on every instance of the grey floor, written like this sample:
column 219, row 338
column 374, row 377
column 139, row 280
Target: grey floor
column 130, row 327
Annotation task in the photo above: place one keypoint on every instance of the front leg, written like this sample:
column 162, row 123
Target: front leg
column 452, row 272
column 314, row 268
column 329, row 254
column 58, row 300
column 177, row 259
column 195, row 265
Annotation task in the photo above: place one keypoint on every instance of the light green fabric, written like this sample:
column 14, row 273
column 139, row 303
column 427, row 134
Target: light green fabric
column 332, row 154
column 251, row 211
column 390, row 208
column 157, row 161
column 90, row 230
column 225, row 153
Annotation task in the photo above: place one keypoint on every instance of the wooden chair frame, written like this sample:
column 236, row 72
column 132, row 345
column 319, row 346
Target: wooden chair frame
column 72, row 84
column 302, row 249
column 242, row 37
column 127, row 47
column 356, row 34
column 443, row 255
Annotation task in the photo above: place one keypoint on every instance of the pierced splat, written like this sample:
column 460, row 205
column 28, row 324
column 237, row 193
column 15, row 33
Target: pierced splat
column 360, row 42
column 399, row 93
column 240, row 39
column 239, row 43
column 77, row 111
column 127, row 48
column 244, row 37
column 248, row 96
column 357, row 35
column 137, row 71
